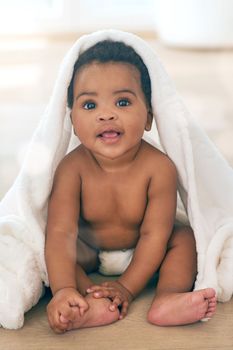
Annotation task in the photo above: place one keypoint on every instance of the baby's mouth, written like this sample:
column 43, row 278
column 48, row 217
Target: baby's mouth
column 110, row 134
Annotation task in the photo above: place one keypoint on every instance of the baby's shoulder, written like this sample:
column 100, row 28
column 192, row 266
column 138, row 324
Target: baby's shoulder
column 157, row 161
column 72, row 162
column 151, row 153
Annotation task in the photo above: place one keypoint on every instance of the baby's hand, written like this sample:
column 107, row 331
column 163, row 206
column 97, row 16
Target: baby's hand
column 115, row 291
column 64, row 307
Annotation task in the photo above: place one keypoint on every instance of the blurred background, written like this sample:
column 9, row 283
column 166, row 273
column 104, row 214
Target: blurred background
column 193, row 38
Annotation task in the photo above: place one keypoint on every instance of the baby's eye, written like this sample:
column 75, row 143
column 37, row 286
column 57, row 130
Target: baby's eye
column 123, row 102
column 89, row 105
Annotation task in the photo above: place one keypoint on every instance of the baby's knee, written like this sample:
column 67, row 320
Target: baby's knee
column 182, row 235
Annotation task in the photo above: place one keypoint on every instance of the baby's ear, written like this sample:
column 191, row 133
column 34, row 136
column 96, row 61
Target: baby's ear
column 149, row 120
column 72, row 123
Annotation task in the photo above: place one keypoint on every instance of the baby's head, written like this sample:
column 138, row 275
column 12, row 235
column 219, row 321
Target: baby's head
column 110, row 99
column 112, row 51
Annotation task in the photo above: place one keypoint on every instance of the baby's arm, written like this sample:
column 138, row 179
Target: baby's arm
column 61, row 231
column 156, row 228
column 61, row 236
column 152, row 245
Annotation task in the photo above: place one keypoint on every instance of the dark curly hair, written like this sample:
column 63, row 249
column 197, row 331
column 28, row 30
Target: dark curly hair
column 112, row 51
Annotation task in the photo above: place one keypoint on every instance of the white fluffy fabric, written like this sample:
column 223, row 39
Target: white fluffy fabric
column 205, row 187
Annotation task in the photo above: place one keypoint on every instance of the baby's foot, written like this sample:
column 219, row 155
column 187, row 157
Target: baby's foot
column 182, row 308
column 98, row 314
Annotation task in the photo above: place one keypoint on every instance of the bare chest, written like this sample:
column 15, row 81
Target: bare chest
column 119, row 201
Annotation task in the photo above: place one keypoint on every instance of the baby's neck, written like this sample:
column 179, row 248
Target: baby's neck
column 118, row 164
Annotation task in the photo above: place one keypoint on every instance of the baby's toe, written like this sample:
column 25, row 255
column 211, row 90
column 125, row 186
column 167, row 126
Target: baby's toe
column 63, row 319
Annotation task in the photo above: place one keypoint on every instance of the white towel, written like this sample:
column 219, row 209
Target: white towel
column 205, row 187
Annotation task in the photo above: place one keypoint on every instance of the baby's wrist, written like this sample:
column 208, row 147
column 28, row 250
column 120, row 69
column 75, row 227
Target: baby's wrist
column 128, row 291
column 63, row 288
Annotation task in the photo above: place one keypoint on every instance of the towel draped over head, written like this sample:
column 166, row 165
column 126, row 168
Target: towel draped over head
column 205, row 187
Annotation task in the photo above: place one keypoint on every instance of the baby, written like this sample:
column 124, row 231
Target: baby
column 117, row 192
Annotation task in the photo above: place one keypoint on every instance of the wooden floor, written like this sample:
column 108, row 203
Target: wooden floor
column 27, row 73
column 132, row 333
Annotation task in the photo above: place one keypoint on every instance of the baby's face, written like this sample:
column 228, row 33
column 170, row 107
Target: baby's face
column 109, row 112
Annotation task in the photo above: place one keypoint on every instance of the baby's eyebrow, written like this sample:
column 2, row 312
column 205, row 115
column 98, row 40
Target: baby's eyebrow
column 125, row 91
column 85, row 93
column 92, row 93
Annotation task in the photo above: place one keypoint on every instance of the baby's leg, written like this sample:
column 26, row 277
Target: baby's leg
column 173, row 303
column 87, row 262
column 98, row 313
column 87, row 257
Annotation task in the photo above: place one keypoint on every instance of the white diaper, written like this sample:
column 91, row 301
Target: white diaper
column 114, row 262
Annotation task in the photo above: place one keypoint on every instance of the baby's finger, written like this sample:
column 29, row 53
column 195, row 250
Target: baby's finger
column 56, row 324
column 82, row 304
column 58, row 330
column 66, row 313
column 102, row 293
column 54, row 320
column 124, row 309
column 63, row 319
column 93, row 288
column 115, row 303
column 105, row 293
column 82, row 310
column 76, row 313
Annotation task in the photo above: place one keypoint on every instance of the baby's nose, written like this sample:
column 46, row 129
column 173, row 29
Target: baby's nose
column 106, row 117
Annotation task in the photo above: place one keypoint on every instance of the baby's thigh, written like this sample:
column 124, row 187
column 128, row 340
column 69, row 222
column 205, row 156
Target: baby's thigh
column 87, row 257
column 182, row 236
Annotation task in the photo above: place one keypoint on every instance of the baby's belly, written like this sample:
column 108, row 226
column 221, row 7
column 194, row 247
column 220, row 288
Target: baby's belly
column 112, row 238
